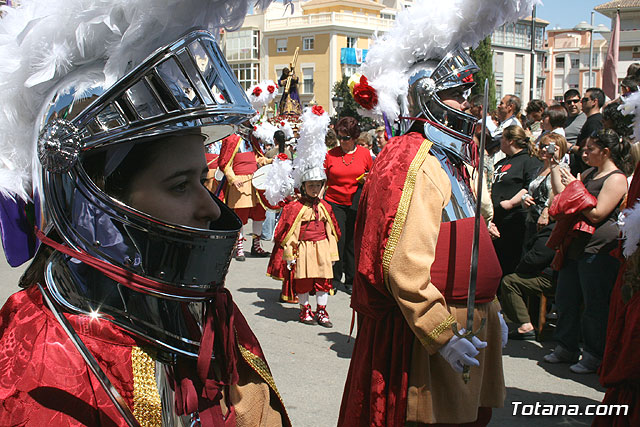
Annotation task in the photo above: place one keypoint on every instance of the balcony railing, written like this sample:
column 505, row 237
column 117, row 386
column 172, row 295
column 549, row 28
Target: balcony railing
column 330, row 18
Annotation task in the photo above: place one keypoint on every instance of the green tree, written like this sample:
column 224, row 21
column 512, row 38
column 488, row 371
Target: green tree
column 483, row 56
column 350, row 106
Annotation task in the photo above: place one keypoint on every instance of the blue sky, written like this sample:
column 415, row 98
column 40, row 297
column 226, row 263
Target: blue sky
column 567, row 13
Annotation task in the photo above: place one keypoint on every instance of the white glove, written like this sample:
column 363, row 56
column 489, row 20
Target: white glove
column 291, row 263
column 504, row 329
column 460, row 351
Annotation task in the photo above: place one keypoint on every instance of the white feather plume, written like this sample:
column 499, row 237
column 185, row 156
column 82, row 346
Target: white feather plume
column 261, row 94
column 430, row 29
column 41, row 41
column 629, row 224
column 279, row 181
column 631, row 105
column 311, row 149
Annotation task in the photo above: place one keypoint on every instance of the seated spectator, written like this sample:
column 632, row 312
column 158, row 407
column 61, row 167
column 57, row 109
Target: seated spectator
column 511, row 179
column 588, row 271
column 534, row 111
column 532, row 277
column 575, row 116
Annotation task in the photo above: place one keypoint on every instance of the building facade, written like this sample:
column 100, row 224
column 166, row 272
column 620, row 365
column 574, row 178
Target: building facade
column 629, row 46
column 567, row 67
column 332, row 38
column 511, row 45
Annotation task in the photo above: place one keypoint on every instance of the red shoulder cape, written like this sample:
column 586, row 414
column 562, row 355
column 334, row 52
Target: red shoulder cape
column 45, row 381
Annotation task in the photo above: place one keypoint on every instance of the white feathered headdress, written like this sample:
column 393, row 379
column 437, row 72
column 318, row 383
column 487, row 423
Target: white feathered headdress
column 42, row 41
column 429, row 29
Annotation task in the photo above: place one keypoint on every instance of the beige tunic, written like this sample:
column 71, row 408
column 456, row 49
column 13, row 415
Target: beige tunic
column 436, row 392
column 243, row 196
column 313, row 259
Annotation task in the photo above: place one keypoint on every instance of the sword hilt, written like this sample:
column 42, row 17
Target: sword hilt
column 468, row 335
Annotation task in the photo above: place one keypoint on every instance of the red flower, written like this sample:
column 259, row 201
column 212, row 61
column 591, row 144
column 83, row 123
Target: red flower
column 364, row 94
column 283, row 157
column 222, row 97
column 271, row 88
column 317, row 110
column 468, row 79
column 255, row 128
column 281, row 123
column 256, row 91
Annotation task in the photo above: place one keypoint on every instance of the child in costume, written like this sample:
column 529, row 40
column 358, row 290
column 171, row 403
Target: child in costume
column 305, row 239
column 306, row 243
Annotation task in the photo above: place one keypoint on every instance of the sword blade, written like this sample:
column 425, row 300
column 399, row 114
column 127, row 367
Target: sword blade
column 471, row 295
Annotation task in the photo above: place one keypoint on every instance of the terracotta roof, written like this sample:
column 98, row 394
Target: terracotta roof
column 618, row 4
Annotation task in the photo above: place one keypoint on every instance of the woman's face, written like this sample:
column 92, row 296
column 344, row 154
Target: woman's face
column 347, row 143
column 505, row 145
column 172, row 188
column 594, row 155
column 313, row 188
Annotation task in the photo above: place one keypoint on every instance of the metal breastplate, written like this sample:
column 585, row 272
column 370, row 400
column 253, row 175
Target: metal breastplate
column 462, row 203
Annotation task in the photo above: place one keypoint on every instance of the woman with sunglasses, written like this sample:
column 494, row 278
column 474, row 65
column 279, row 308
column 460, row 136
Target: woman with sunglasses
column 346, row 167
column 588, row 270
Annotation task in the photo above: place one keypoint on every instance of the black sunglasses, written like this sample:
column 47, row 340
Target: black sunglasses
column 344, row 137
column 571, row 101
column 586, row 98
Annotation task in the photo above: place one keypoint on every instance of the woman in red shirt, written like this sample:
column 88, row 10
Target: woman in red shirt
column 346, row 167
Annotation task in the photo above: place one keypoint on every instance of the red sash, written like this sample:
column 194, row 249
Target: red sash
column 451, row 268
column 313, row 231
column 245, row 163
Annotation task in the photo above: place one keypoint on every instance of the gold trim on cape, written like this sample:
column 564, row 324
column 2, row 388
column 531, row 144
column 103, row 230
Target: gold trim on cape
column 147, row 406
column 261, row 368
column 403, row 208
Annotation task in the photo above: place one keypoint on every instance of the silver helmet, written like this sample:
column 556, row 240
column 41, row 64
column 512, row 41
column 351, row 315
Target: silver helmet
column 185, row 87
column 313, row 174
column 431, row 76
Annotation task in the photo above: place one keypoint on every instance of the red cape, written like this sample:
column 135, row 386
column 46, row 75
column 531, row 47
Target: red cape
column 44, row 379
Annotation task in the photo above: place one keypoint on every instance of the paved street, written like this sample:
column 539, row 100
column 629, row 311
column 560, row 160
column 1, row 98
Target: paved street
column 310, row 363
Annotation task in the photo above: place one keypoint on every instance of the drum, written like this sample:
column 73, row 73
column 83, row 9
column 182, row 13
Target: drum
column 259, row 179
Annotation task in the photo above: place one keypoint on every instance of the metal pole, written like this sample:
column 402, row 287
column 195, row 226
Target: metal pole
column 591, row 52
column 532, row 68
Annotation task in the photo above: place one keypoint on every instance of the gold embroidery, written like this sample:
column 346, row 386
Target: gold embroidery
column 261, row 368
column 432, row 336
column 403, row 208
column 147, row 407
column 294, row 226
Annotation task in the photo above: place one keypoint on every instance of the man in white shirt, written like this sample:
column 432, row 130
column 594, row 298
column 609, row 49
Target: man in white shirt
column 508, row 110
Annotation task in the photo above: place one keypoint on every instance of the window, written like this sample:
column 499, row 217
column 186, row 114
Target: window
column 498, row 36
column 498, row 90
column 585, row 80
column 387, row 16
column 242, row 45
column 247, row 74
column 281, row 45
column 522, row 39
column 509, row 31
column 539, row 37
column 560, row 62
column 308, row 43
column 575, row 62
column 307, row 80
column 595, row 60
column 349, row 70
column 519, row 65
column 518, row 90
column 352, row 42
column 498, row 62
